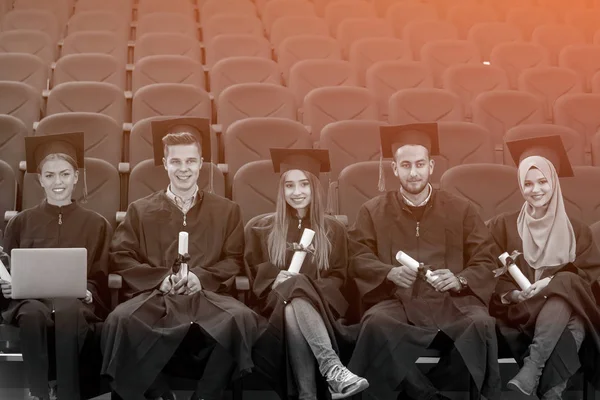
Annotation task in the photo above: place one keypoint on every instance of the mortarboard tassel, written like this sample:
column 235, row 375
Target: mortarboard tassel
column 329, row 209
column 210, row 180
column 381, row 182
column 85, row 188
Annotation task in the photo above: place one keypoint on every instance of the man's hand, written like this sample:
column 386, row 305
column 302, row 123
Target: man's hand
column 516, row 296
column 193, row 284
column 166, row 285
column 282, row 276
column 446, row 280
column 88, row 297
column 402, row 276
column 6, row 289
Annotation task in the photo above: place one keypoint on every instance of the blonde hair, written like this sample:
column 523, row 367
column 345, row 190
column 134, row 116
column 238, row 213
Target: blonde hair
column 277, row 238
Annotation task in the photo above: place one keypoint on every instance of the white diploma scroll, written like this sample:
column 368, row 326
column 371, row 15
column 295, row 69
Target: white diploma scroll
column 413, row 264
column 183, row 249
column 298, row 257
column 514, row 271
column 4, row 274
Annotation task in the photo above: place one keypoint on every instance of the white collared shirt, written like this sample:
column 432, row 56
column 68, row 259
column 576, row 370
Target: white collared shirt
column 410, row 203
column 183, row 204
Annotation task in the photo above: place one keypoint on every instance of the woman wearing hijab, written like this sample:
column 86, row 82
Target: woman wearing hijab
column 58, row 221
column 302, row 307
column 548, row 321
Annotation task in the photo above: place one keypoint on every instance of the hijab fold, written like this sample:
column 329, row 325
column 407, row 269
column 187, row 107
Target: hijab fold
column 548, row 241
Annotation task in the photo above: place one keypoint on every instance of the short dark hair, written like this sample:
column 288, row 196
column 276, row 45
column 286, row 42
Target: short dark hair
column 179, row 138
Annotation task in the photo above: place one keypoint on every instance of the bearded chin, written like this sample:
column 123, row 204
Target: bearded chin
column 414, row 189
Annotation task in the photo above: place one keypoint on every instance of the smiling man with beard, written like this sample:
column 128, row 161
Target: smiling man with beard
column 406, row 312
column 190, row 316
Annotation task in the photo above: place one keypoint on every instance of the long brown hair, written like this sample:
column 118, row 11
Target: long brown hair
column 277, row 239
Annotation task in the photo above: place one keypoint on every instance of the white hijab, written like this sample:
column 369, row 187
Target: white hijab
column 548, row 241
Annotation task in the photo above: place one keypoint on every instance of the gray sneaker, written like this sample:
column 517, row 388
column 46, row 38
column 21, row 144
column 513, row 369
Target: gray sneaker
column 343, row 383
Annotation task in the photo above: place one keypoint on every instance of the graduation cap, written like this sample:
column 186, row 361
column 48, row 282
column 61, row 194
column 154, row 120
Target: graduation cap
column 396, row 136
column 314, row 161
column 37, row 148
column 199, row 127
column 549, row 147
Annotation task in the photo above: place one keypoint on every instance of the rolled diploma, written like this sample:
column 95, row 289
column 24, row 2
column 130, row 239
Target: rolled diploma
column 515, row 272
column 413, row 264
column 183, row 249
column 298, row 257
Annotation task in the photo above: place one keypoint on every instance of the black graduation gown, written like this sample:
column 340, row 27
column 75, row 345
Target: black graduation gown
column 573, row 283
column 402, row 322
column 141, row 335
column 76, row 323
column 321, row 288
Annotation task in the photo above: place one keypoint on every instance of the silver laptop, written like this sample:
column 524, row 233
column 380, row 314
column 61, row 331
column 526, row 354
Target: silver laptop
column 48, row 273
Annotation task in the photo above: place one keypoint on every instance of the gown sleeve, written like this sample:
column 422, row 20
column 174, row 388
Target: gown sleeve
column 497, row 228
column 220, row 276
column 98, row 268
column 263, row 273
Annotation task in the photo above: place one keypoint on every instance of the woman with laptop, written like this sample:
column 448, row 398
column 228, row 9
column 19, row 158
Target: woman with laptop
column 63, row 325
column 302, row 302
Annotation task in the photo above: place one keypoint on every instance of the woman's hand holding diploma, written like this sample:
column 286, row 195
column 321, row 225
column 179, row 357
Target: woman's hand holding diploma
column 283, row 276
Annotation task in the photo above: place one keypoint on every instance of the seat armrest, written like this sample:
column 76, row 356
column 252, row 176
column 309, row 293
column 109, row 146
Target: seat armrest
column 242, row 283
column 8, row 215
column 124, row 168
column 342, row 218
column 115, row 281
column 224, row 168
column 120, row 216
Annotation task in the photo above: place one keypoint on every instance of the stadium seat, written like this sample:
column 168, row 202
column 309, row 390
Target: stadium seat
column 93, row 97
column 548, row 84
column 350, row 142
column 250, row 139
column 469, row 80
column 90, row 67
column 366, row 52
column 584, row 59
column 441, row 54
column 414, row 105
column 59, row 8
column 307, row 75
column 579, row 111
column 213, row 8
column 109, row 21
column 103, row 136
column 26, row 68
column 443, row 6
column 232, row 24
column 401, row 13
column 339, row 10
column 555, row 37
column 492, row 188
column 8, row 191
column 289, row 26
column 122, row 7
column 488, row 35
column 170, row 99
column 516, row 57
column 465, row 16
column 255, row 189
column 29, row 42
column 357, row 183
column 233, row 70
column 246, row 100
column 306, row 47
column 146, row 178
column 167, row 22
column 21, row 101
column 223, row 46
column 275, row 9
column 37, row 20
column 418, row 33
column 325, row 105
column 12, row 142
column 384, row 78
column 152, row 44
column 595, row 227
column 585, row 20
column 146, row 7
column 573, row 141
column 582, row 199
column 500, row 110
column 528, row 18
column 103, row 185
column 96, row 42
column 502, row 7
column 596, row 150
column 167, row 69
column 560, row 7
column 353, row 29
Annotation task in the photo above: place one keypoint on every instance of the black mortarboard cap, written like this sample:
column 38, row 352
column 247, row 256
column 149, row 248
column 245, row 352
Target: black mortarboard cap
column 394, row 137
column 39, row 147
column 314, row 161
column 199, row 127
column 549, row 147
